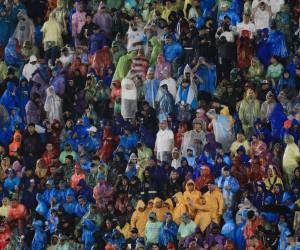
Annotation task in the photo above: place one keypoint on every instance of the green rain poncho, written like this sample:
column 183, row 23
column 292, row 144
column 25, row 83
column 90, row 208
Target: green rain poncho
column 123, row 66
column 156, row 50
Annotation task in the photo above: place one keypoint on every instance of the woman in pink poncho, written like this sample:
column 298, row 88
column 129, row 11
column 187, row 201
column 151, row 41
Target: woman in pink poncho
column 160, row 66
column 78, row 20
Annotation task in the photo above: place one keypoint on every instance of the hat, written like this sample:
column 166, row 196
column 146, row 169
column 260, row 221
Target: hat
column 150, row 70
column 32, row 59
column 200, row 111
column 92, row 129
column 134, row 230
column 162, row 117
column 211, row 112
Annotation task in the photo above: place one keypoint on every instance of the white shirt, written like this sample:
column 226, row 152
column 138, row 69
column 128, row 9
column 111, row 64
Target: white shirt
column 262, row 19
column 246, row 26
column 164, row 140
column 28, row 70
column 128, row 89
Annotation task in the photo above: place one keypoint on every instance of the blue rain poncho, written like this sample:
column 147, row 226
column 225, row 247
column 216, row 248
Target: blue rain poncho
column 129, row 141
column 48, row 194
column 8, row 98
column 284, row 232
column 168, row 233
column 208, row 76
column 11, row 56
column 39, row 241
column 92, row 143
column 229, row 228
column 172, row 51
column 277, row 118
column 5, row 26
column 42, row 207
column 81, row 210
column 240, row 241
column 11, row 183
column 70, row 207
column 277, row 44
column 89, row 228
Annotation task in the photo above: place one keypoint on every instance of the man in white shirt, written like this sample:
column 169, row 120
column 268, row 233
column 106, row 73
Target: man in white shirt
column 275, row 4
column 164, row 141
column 30, row 67
column 262, row 15
column 246, row 25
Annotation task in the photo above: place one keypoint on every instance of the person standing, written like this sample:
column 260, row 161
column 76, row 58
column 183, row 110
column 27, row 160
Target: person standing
column 164, row 141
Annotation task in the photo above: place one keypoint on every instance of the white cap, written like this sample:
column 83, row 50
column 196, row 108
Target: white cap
column 32, row 58
column 92, row 129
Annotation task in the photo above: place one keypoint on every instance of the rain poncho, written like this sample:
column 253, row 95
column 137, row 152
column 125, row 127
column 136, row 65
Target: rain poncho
column 168, row 233
column 172, row 51
column 223, row 131
column 52, row 33
column 160, row 66
column 277, row 44
column 284, row 232
column 25, row 29
column 277, row 118
column 78, row 20
column 139, row 218
column 150, row 90
column 53, row 105
column 187, row 95
column 207, row 74
column 58, row 82
column 123, row 66
column 5, row 27
column 88, row 239
column 229, row 228
column 11, row 54
column 39, row 241
column 103, row 19
column 8, row 99
column 156, row 49
column 228, row 195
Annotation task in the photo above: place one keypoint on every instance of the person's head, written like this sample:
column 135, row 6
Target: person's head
column 262, row 5
column 82, row 200
column 14, row 202
column 168, row 217
column 49, row 147
column 250, row 93
column 211, row 186
column 246, row 18
column 163, row 124
column 274, row 60
column 152, row 217
column 158, row 203
column 77, row 168
column 190, row 186
column 240, row 137
column 197, row 125
column 226, row 171
column 251, row 215
column 289, row 139
column 31, row 128
column 88, row 18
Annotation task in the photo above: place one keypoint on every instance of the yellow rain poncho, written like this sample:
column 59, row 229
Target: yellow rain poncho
column 139, row 218
column 180, row 208
column 159, row 209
